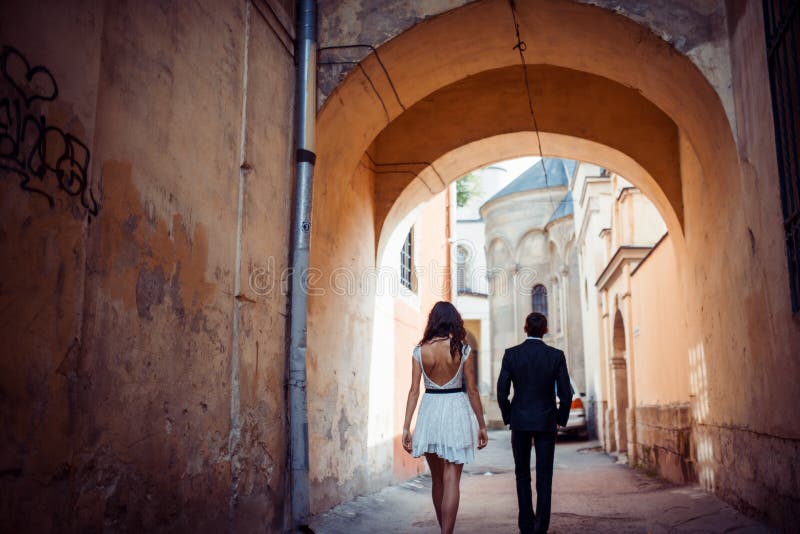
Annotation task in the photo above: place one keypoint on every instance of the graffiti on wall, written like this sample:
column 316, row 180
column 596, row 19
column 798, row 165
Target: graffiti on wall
column 44, row 157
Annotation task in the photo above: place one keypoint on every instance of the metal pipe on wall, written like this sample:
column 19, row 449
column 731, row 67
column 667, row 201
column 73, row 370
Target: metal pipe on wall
column 305, row 126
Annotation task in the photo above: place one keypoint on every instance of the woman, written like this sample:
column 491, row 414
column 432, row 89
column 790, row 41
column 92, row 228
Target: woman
column 446, row 430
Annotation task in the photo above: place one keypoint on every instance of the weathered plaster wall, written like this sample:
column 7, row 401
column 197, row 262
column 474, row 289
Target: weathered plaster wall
column 143, row 382
column 759, row 358
column 659, row 329
column 663, row 441
column 340, row 338
column 663, row 437
column 348, row 454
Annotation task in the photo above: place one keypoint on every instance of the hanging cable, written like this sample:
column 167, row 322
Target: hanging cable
column 520, row 47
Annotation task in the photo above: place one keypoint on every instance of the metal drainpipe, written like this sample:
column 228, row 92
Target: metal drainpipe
column 305, row 125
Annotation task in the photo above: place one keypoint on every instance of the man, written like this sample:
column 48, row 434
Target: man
column 538, row 371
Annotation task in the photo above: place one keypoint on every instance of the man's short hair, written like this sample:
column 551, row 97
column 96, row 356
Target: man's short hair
column 536, row 324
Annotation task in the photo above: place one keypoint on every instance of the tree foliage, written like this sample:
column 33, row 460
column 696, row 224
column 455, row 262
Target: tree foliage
column 466, row 188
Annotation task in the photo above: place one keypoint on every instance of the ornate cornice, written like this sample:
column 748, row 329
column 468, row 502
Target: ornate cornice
column 624, row 255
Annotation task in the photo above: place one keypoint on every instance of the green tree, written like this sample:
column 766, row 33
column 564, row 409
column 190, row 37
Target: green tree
column 466, row 188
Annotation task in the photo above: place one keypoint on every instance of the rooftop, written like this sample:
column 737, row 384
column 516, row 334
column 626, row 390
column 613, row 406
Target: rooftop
column 559, row 173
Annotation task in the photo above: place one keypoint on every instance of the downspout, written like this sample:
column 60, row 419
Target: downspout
column 305, row 126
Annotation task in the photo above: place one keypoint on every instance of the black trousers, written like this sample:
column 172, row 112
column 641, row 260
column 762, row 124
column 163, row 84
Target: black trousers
column 545, row 445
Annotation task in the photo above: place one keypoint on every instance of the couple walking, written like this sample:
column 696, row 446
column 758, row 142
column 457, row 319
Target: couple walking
column 450, row 421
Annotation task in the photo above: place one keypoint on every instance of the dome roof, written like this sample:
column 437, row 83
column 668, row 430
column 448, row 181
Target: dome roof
column 559, row 172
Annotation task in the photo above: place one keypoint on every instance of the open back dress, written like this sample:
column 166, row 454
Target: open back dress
column 446, row 424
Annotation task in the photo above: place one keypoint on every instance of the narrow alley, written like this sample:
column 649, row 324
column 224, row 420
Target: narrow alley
column 225, row 224
column 591, row 493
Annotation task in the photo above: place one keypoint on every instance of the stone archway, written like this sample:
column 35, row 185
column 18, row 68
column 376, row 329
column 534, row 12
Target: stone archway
column 608, row 91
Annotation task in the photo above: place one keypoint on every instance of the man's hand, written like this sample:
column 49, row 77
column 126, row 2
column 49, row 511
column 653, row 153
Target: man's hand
column 407, row 440
column 483, row 438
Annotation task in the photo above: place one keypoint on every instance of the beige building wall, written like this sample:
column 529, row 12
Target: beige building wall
column 592, row 204
column 663, row 416
column 659, row 340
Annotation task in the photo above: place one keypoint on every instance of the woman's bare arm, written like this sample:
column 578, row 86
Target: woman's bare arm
column 411, row 403
column 475, row 401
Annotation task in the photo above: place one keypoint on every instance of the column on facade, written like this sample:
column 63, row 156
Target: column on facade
column 555, row 313
column 619, row 376
column 563, row 271
column 630, row 358
column 606, row 408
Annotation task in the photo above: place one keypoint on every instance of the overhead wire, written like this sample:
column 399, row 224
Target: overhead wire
column 520, row 47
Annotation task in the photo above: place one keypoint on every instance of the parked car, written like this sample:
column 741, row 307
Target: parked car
column 576, row 425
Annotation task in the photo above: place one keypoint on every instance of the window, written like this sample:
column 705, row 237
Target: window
column 462, row 255
column 540, row 299
column 782, row 30
column 407, row 260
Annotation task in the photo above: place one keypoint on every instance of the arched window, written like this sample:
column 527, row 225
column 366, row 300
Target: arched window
column 407, row 261
column 539, row 296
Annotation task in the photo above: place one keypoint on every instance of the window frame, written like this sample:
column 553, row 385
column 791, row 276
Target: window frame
column 407, row 261
column 781, row 29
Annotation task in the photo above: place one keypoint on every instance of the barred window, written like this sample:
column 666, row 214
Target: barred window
column 539, row 296
column 782, row 29
column 407, row 260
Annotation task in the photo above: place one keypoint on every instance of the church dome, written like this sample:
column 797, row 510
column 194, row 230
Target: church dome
column 559, row 173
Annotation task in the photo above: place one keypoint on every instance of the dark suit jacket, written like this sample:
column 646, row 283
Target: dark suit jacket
column 538, row 371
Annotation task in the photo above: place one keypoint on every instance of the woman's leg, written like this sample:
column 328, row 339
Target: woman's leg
column 451, row 477
column 436, row 465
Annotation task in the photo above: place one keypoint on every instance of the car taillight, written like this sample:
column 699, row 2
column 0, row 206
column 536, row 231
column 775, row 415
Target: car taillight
column 576, row 404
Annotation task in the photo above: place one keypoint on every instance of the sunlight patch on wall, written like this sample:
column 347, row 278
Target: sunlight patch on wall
column 699, row 393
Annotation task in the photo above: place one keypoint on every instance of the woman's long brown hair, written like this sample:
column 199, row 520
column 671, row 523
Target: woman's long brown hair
column 445, row 321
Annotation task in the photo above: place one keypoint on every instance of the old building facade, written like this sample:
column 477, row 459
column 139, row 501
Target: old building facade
column 532, row 261
column 639, row 374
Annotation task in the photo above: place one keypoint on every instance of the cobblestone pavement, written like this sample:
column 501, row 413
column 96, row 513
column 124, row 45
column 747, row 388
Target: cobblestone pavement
column 591, row 493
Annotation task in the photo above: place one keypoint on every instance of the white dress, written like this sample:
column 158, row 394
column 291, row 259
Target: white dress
column 446, row 424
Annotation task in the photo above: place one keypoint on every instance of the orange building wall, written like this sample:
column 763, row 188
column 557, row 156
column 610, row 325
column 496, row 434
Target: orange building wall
column 662, row 440
column 659, row 330
column 431, row 252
